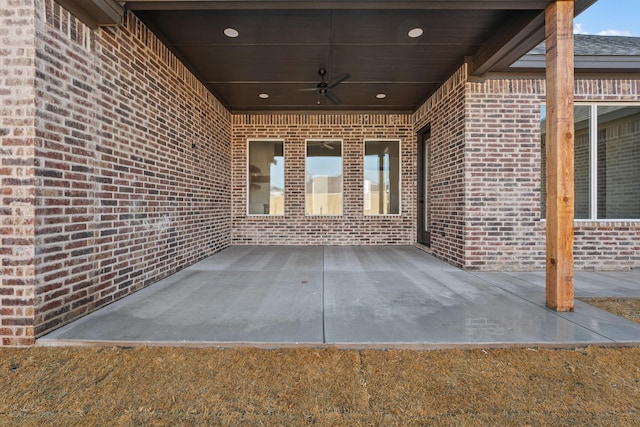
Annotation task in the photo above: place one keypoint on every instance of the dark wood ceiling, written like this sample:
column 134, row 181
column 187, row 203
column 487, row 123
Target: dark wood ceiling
column 282, row 45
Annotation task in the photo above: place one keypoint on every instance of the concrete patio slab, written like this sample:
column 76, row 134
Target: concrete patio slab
column 530, row 286
column 447, row 308
column 380, row 258
column 593, row 283
column 350, row 297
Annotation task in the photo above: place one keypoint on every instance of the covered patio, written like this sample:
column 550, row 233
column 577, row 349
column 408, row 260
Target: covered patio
column 351, row 296
column 143, row 175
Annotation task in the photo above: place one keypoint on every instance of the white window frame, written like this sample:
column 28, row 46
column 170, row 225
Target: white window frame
column 364, row 150
column 306, row 147
column 248, row 177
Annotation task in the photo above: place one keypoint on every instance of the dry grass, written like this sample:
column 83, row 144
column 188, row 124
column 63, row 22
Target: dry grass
column 186, row 386
column 625, row 307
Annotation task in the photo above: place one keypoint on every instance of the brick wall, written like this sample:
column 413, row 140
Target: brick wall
column 503, row 170
column 17, row 189
column 445, row 113
column 352, row 227
column 132, row 161
column 504, row 180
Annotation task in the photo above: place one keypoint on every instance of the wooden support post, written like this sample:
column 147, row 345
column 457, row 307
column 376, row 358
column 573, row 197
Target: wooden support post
column 560, row 138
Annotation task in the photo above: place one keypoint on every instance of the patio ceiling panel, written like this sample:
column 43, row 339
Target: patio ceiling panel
column 248, row 64
column 282, row 45
column 284, row 96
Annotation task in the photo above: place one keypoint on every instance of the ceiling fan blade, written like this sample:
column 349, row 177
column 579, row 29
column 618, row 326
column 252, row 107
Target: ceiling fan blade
column 337, row 80
column 308, row 89
column 333, row 98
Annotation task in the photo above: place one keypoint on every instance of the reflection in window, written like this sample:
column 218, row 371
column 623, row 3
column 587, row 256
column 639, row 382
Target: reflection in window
column 381, row 177
column 614, row 170
column 581, row 162
column 266, row 177
column 618, row 162
column 323, row 179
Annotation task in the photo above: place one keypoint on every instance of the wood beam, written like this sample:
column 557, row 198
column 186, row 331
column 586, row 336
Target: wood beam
column 538, row 5
column 336, row 4
column 513, row 40
column 560, row 139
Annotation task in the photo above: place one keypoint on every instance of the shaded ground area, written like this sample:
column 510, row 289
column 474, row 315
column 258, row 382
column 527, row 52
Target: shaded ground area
column 352, row 296
column 189, row 386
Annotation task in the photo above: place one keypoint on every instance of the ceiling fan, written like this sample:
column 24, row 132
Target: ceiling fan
column 324, row 87
column 327, row 145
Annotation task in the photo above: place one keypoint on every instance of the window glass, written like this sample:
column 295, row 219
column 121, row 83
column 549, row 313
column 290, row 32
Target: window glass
column 607, row 164
column 324, row 177
column 381, row 177
column 543, row 162
column 266, row 177
column 581, row 162
column 618, row 162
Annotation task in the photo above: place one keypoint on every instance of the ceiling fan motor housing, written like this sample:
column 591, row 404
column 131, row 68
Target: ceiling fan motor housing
column 323, row 86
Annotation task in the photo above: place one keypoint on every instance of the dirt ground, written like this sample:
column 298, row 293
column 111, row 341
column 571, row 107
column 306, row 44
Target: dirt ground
column 303, row 386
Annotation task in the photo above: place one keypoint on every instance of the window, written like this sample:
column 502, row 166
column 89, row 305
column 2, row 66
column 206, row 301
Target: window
column 266, row 177
column 324, row 177
column 381, row 177
column 606, row 162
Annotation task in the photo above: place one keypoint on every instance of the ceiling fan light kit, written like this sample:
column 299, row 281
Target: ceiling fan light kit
column 324, row 87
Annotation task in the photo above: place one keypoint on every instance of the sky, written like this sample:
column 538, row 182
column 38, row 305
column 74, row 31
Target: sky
column 610, row 17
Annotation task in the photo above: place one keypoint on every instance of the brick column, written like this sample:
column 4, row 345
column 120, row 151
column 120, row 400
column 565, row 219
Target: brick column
column 17, row 176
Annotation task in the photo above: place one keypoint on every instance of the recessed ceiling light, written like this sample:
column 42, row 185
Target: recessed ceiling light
column 381, row 95
column 415, row 32
column 231, row 32
column 264, row 95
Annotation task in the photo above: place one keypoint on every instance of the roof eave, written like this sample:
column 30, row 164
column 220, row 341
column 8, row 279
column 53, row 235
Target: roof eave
column 590, row 63
column 514, row 41
column 95, row 13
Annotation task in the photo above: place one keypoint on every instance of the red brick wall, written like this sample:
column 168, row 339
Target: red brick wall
column 132, row 163
column 17, row 174
column 445, row 113
column 350, row 228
